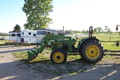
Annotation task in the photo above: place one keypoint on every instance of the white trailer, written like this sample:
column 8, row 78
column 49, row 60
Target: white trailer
column 14, row 37
column 42, row 32
column 28, row 36
column 31, row 36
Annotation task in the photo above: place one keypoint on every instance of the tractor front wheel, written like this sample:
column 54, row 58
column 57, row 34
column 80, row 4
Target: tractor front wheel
column 92, row 51
column 58, row 56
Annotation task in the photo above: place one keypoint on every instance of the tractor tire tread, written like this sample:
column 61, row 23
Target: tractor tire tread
column 58, row 50
column 83, row 54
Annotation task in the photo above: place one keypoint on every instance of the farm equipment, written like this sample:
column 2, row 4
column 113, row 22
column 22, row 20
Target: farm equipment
column 89, row 48
column 117, row 44
column 117, row 27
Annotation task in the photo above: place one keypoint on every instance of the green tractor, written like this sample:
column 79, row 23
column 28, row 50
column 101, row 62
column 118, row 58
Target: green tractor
column 90, row 48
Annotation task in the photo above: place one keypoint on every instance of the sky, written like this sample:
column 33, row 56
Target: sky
column 72, row 14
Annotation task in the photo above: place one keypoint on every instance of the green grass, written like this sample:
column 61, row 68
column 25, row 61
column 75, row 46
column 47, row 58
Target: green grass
column 106, row 37
column 3, row 41
column 42, row 58
column 1, row 56
column 23, row 55
column 107, row 42
column 110, row 46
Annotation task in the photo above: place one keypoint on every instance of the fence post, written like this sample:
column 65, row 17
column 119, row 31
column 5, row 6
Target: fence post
column 110, row 37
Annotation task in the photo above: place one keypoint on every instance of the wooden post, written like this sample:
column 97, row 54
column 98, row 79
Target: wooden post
column 110, row 37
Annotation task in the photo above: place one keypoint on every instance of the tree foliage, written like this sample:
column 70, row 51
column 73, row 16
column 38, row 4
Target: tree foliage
column 4, row 34
column 99, row 29
column 107, row 29
column 17, row 28
column 95, row 30
column 37, row 12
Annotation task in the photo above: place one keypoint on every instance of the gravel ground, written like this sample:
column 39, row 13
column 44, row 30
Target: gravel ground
column 10, row 69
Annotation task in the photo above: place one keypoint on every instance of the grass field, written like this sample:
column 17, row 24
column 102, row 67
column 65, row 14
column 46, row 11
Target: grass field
column 108, row 40
column 2, row 42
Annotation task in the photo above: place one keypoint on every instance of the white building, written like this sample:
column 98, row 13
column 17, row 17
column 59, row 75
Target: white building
column 28, row 36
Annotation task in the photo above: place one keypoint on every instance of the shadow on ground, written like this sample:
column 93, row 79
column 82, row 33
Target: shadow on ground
column 71, row 70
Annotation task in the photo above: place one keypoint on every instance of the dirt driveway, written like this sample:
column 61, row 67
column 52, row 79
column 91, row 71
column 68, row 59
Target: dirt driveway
column 10, row 69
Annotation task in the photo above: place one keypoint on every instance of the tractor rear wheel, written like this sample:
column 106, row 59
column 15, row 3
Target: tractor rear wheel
column 58, row 56
column 91, row 51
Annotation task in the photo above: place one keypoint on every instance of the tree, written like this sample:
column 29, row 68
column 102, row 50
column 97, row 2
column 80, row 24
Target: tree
column 17, row 28
column 95, row 30
column 83, row 31
column 107, row 29
column 4, row 34
column 99, row 29
column 37, row 12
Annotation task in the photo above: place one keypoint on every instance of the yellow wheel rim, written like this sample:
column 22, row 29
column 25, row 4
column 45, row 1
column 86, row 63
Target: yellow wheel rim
column 58, row 57
column 92, row 52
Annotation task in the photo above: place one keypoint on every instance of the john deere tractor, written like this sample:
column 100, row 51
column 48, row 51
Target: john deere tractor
column 89, row 48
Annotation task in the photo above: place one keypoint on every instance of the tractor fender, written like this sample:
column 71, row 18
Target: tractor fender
column 85, row 40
